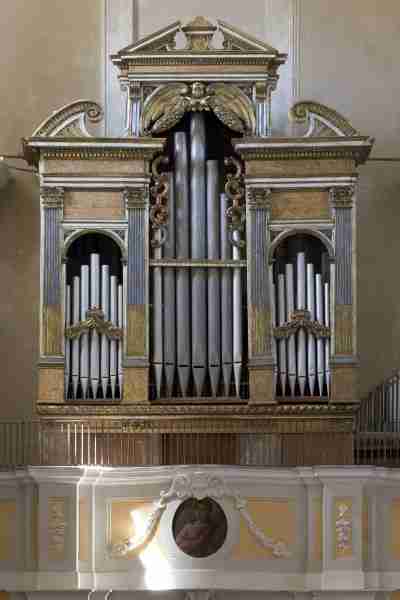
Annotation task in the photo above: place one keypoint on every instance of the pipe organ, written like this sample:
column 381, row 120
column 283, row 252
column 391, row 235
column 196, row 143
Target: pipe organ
column 199, row 259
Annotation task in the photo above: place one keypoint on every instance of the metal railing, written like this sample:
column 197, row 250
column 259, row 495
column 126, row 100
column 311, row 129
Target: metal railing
column 117, row 443
column 380, row 411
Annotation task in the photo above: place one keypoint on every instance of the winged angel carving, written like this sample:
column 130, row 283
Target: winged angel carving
column 168, row 104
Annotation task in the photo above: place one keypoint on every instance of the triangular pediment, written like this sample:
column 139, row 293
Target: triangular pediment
column 199, row 34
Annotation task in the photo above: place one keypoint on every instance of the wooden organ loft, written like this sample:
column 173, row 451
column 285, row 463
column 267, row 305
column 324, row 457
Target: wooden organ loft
column 198, row 275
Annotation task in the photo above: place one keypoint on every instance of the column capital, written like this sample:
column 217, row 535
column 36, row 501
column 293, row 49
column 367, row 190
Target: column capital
column 135, row 198
column 258, row 198
column 342, row 197
column 52, row 197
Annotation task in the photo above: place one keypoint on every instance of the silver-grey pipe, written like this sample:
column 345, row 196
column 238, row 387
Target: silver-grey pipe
column 226, row 300
column 237, row 319
column 311, row 347
column 94, row 339
column 182, row 240
column 169, row 299
column 67, row 342
column 105, row 343
column 291, row 344
column 214, row 283
column 282, row 342
column 198, row 248
column 76, row 316
column 157, row 328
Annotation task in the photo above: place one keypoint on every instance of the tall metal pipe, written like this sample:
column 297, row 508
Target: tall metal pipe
column 327, row 340
column 76, row 315
column 198, row 248
column 182, row 237
column 282, row 343
column 214, row 284
column 120, row 322
column 94, row 340
column 169, row 298
column 113, row 343
column 319, row 313
column 310, row 338
column 67, row 342
column 84, row 374
column 237, row 318
column 226, row 300
column 105, row 344
column 157, row 328
column 301, row 339
column 291, row 343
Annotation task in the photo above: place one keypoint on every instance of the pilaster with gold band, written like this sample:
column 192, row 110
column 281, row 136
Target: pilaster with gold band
column 261, row 363
column 137, row 345
column 344, row 359
column 52, row 201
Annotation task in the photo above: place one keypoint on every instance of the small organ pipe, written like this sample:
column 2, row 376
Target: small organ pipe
column 301, row 336
column 291, row 344
column 94, row 341
column 198, row 248
column 76, row 316
column 310, row 338
column 237, row 319
column 327, row 341
column 319, row 314
column 169, row 299
column 120, row 322
column 214, row 287
column 226, row 300
column 182, row 221
column 113, row 343
column 85, row 337
column 105, row 344
column 282, row 343
column 67, row 342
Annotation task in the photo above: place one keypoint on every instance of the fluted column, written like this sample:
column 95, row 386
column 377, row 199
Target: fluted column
column 51, row 376
column 344, row 353
column 261, row 363
column 136, row 363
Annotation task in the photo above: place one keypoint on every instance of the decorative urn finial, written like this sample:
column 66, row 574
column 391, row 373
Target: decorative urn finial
column 199, row 34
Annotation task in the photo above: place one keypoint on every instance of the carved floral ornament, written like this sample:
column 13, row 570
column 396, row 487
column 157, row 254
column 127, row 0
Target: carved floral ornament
column 198, row 485
column 301, row 319
column 94, row 321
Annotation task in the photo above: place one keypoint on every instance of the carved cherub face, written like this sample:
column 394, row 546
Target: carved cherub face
column 198, row 90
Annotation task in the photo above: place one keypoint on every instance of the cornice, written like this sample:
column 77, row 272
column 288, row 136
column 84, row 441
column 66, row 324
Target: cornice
column 60, row 148
column 354, row 148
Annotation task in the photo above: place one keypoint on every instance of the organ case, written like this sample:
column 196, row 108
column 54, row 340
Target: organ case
column 198, row 258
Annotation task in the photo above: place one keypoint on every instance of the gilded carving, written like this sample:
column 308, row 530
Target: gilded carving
column 70, row 120
column 57, row 527
column 260, row 323
column 199, row 34
column 135, row 198
column 259, row 198
column 52, row 330
column 136, row 330
column 94, row 321
column 343, row 528
column 166, row 107
column 301, row 319
column 344, row 329
column 234, row 189
column 159, row 212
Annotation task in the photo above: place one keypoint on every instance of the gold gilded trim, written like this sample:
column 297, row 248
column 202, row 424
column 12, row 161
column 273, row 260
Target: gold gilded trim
column 136, row 330
column 344, row 329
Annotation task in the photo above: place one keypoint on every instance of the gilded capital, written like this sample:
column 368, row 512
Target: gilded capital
column 342, row 197
column 52, row 197
column 259, row 198
column 135, row 198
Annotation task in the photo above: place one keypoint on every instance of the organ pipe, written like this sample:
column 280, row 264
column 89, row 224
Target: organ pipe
column 158, row 322
column 302, row 359
column 213, row 282
column 237, row 318
column 182, row 221
column 169, row 304
column 93, row 362
column 226, row 301
column 198, row 248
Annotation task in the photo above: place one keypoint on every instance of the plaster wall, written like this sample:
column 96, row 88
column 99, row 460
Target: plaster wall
column 343, row 54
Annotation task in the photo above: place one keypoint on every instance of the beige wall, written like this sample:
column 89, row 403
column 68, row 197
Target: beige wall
column 53, row 52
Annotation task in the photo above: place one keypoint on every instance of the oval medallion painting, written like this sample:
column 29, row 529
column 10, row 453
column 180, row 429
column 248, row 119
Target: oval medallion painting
column 199, row 527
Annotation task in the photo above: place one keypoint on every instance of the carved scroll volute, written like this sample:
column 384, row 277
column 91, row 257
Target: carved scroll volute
column 159, row 205
column 236, row 213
